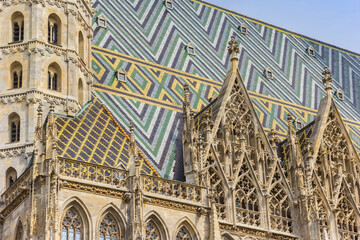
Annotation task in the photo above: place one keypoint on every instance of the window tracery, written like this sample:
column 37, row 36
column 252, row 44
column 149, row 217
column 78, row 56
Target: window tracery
column 72, row 226
column 109, row 229
column 152, row 231
column 280, row 215
column 322, row 217
column 246, row 199
column 219, row 196
column 183, row 234
column 346, row 218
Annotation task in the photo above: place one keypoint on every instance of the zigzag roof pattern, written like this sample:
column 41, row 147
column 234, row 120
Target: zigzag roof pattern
column 93, row 136
column 148, row 41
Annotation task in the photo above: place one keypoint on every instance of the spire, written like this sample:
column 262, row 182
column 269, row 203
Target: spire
column 233, row 49
column 327, row 80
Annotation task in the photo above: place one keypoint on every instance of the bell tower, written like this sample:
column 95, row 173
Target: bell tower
column 45, row 56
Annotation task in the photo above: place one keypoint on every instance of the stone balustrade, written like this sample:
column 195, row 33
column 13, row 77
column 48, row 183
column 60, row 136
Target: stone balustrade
column 21, row 184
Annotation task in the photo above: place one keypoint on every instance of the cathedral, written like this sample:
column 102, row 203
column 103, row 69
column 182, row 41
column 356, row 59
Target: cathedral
column 173, row 120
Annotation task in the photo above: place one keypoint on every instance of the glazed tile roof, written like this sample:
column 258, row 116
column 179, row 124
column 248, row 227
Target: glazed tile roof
column 149, row 42
column 94, row 137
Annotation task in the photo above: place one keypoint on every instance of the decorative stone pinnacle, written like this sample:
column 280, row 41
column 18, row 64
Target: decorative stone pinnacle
column 290, row 117
column 233, row 47
column 327, row 80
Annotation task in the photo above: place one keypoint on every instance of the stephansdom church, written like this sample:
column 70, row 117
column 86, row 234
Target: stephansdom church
column 171, row 120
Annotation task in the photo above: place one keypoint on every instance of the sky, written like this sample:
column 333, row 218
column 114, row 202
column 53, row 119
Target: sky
column 332, row 21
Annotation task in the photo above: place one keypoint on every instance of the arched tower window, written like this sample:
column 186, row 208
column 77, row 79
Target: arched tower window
column 19, row 231
column 16, row 75
column 109, row 228
column 72, row 227
column 17, row 20
column 11, row 176
column 14, row 127
column 80, row 92
column 183, row 234
column 54, row 77
column 81, row 45
column 54, row 29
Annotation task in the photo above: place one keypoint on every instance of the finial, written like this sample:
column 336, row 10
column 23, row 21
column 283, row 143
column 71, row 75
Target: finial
column 233, row 49
column 187, row 94
column 327, row 80
column 132, row 135
column 290, row 118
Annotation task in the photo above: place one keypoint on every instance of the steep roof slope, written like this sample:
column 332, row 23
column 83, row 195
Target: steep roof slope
column 149, row 41
column 93, row 136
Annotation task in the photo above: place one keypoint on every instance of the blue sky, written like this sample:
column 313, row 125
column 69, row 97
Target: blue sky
column 331, row 21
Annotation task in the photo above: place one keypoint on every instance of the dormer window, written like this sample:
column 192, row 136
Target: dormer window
column 298, row 123
column 101, row 21
column 169, row 4
column 243, row 29
column 311, row 51
column 190, row 48
column 269, row 74
column 340, row 94
column 121, row 75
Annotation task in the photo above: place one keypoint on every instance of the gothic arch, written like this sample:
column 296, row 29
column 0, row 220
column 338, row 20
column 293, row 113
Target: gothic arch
column 116, row 216
column 217, row 184
column 191, row 229
column 81, row 92
column 14, row 129
column 19, row 230
column 226, row 236
column 84, row 214
column 11, row 176
column 155, row 224
column 81, row 46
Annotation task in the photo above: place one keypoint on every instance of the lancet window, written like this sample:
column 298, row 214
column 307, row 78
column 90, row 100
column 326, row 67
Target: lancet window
column 19, row 232
column 72, row 226
column 219, row 195
column 280, row 215
column 152, row 231
column 14, row 123
column 16, row 75
column 246, row 199
column 109, row 229
column 346, row 218
column 54, row 29
column 183, row 234
column 54, row 77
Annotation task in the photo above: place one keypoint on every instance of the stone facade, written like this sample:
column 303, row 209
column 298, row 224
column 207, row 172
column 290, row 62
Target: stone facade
column 240, row 182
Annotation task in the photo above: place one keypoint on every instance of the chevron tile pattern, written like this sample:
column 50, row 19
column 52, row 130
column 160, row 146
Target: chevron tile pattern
column 149, row 42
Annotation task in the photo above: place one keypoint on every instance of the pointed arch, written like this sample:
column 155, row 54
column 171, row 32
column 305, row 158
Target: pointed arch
column 54, row 29
column 279, row 205
column 14, row 127
column 75, row 220
column 346, row 217
column 81, row 92
column 16, row 73
column 81, row 46
column 111, row 223
column 246, row 198
column 185, row 229
column 17, row 21
column 19, row 235
column 226, row 236
column 11, row 176
column 155, row 227
column 215, row 182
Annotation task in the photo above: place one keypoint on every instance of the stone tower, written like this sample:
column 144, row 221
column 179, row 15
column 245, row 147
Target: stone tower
column 45, row 55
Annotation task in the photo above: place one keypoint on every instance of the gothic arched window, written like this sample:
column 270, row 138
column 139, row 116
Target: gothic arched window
column 109, row 229
column 72, row 227
column 246, row 199
column 80, row 92
column 54, row 77
column 19, row 231
column 280, row 215
column 54, row 29
column 183, row 234
column 17, row 20
column 219, row 194
column 14, row 127
column 16, row 75
column 152, row 231
column 346, row 218
column 11, row 176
